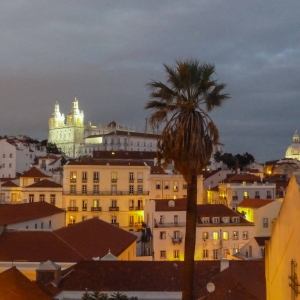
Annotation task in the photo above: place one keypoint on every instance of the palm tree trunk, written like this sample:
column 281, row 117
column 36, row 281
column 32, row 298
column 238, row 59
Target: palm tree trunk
column 190, row 240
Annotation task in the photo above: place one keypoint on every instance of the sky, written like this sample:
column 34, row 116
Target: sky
column 105, row 52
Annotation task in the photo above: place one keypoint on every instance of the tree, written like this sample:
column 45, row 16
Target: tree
column 181, row 106
column 98, row 296
column 118, row 296
column 86, row 296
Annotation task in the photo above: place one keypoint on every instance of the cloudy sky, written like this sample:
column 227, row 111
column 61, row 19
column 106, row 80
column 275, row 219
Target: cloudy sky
column 105, row 52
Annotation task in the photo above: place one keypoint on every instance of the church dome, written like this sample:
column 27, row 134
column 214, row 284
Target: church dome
column 293, row 151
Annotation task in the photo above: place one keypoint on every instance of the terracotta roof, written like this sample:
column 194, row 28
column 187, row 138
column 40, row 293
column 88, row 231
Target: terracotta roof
column 147, row 276
column 35, row 246
column 261, row 240
column 157, row 170
column 34, row 172
column 219, row 210
column 9, row 184
column 94, row 238
column 16, row 286
column 44, row 184
column 241, row 178
column 242, row 280
column 255, row 203
column 163, row 205
column 16, row 213
column 137, row 155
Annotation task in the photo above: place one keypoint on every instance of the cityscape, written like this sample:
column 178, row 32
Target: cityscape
column 149, row 150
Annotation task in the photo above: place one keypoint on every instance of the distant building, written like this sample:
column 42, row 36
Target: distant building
column 75, row 139
column 293, row 151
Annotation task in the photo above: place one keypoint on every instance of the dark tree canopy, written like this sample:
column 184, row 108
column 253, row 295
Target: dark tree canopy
column 232, row 161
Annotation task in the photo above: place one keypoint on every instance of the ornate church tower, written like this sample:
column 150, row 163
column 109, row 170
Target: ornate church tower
column 67, row 134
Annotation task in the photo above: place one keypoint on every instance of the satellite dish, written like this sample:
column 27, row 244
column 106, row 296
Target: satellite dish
column 210, row 287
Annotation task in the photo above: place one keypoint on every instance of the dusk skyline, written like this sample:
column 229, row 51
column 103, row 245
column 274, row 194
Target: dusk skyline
column 105, row 53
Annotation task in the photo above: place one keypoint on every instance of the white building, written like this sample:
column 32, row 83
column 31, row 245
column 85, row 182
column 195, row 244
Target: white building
column 220, row 233
column 75, row 139
column 293, row 151
column 17, row 154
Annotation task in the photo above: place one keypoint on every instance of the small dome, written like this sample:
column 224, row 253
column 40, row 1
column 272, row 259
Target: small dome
column 293, row 151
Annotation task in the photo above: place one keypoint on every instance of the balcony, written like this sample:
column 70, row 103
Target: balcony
column 140, row 180
column 114, row 208
column 235, row 198
column 141, row 207
column 96, row 180
column 131, row 180
column 166, row 225
column 176, row 240
column 138, row 224
column 131, row 207
column 83, row 180
column 107, row 193
column 114, row 180
column 73, row 208
column 96, row 208
column 116, row 224
column 84, row 208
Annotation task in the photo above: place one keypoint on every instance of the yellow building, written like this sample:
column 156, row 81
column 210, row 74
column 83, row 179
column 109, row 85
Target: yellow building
column 114, row 191
column 282, row 250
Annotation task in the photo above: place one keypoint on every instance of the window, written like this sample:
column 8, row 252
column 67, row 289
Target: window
column 257, row 195
column 215, row 254
column 96, row 189
column 31, row 198
column 140, row 177
column 72, row 220
column 234, row 195
column 35, row 226
column 73, row 189
column 131, row 177
column 52, row 199
column 215, row 220
column 246, row 194
column 235, row 235
column 10, row 165
column 166, row 196
column 96, row 176
column 215, row 235
column 205, row 253
column 175, row 186
column 157, row 185
column 84, row 176
column 205, row 220
column 131, row 189
column 167, row 185
column 50, row 224
column 162, row 235
column 225, row 235
column 140, row 189
column 84, row 204
column 42, row 225
column 113, row 203
column 131, row 204
column 176, row 254
column 114, row 219
column 161, row 219
column 113, row 176
column 84, row 189
column 245, row 235
column 265, row 222
column 184, row 186
column 42, row 197
column 205, row 235
column 3, row 155
column 235, row 219
column 163, row 254
column 269, row 195
column 72, row 203
column 131, row 220
column 176, row 220
column 73, row 176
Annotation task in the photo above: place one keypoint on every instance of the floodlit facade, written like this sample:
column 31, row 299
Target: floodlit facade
column 75, row 139
column 221, row 232
column 112, row 191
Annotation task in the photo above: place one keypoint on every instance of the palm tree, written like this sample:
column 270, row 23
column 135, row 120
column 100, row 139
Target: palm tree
column 181, row 105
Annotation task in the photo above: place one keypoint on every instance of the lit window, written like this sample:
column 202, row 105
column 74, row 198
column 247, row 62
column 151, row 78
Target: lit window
column 175, row 186
column 73, row 176
column 235, row 235
column 157, row 185
column 113, row 176
column 245, row 235
column 246, row 194
column 205, row 235
column 215, row 235
column 167, row 185
column 225, row 235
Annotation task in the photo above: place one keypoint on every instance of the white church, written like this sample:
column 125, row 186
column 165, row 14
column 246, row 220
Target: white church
column 75, row 139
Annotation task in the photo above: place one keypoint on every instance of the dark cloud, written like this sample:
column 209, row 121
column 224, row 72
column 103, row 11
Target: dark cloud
column 105, row 53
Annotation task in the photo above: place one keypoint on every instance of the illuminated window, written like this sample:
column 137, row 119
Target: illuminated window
column 113, row 176
column 225, row 235
column 167, row 185
column 245, row 235
column 175, row 186
column 235, row 235
column 73, row 176
column 215, row 235
column 157, row 185
column 246, row 194
column 205, row 235
column 95, row 203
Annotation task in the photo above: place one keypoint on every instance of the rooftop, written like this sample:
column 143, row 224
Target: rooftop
column 34, row 172
column 255, row 203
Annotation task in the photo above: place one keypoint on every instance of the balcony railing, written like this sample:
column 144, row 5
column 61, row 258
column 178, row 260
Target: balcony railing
column 116, row 224
column 114, row 208
column 141, row 207
column 131, row 207
column 166, row 225
column 114, row 180
column 84, row 208
column 176, row 240
column 235, row 198
column 131, row 180
column 140, row 180
column 107, row 193
column 73, row 208
column 96, row 208
column 138, row 224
